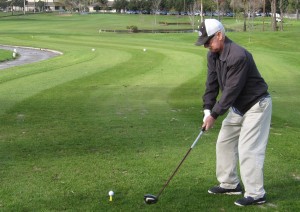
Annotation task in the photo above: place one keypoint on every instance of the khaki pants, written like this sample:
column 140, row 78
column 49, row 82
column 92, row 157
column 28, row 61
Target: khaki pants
column 244, row 139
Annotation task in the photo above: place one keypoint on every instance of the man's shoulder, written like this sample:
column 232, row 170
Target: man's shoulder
column 234, row 47
column 236, row 51
column 237, row 47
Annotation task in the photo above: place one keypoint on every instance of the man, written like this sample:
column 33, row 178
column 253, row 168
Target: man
column 244, row 133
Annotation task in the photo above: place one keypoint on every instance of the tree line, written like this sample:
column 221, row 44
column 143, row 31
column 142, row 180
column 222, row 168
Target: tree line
column 223, row 6
column 248, row 8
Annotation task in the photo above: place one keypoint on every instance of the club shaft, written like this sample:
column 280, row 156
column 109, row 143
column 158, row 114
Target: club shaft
column 195, row 142
column 188, row 152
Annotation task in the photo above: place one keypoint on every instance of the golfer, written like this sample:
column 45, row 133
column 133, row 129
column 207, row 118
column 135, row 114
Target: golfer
column 245, row 130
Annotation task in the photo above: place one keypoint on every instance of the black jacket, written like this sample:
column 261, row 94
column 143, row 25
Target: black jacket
column 234, row 73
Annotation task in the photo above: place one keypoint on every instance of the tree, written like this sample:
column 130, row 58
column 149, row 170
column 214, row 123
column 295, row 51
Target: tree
column 40, row 5
column 281, row 14
column 297, row 9
column 245, row 14
column 15, row 3
column 103, row 3
column 155, row 8
column 192, row 10
column 283, row 4
column 133, row 5
column 264, row 14
column 120, row 5
column 273, row 12
column 70, row 5
column 210, row 6
column 236, row 7
column 146, row 5
column 243, row 6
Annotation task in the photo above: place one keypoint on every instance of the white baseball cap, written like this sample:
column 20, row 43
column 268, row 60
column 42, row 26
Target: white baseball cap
column 207, row 29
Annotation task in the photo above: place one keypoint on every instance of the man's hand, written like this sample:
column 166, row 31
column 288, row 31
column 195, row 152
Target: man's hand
column 208, row 123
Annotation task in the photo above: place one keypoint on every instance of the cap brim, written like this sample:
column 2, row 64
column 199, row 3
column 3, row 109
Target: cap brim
column 202, row 40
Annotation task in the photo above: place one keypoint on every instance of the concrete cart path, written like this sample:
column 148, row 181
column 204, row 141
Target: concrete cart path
column 27, row 55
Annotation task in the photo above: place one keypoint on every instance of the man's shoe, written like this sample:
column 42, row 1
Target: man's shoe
column 250, row 201
column 219, row 190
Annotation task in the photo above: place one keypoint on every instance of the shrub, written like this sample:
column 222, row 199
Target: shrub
column 132, row 28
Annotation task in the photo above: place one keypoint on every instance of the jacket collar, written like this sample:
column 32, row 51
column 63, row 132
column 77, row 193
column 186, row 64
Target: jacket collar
column 226, row 49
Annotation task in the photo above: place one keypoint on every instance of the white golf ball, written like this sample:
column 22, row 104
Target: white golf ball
column 93, row 50
column 145, row 50
column 111, row 193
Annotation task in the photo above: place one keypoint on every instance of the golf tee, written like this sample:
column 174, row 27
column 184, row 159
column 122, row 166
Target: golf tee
column 110, row 198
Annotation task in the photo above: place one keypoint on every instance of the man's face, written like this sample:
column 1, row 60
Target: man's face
column 215, row 44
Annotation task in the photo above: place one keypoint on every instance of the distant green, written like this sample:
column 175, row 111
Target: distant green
column 5, row 55
column 119, row 118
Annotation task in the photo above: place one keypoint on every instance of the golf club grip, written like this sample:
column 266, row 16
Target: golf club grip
column 196, row 140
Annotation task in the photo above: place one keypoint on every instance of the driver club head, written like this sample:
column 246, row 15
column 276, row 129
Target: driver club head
column 150, row 199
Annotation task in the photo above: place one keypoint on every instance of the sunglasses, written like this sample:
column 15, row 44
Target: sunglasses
column 209, row 39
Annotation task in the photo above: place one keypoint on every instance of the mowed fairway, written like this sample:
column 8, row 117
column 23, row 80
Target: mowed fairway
column 119, row 118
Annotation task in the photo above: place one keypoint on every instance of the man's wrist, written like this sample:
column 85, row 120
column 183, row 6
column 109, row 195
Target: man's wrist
column 214, row 115
column 207, row 112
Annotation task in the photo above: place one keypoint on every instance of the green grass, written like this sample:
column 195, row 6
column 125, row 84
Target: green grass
column 78, row 125
column 5, row 55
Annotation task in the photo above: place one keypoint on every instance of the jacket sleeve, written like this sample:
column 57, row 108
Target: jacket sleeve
column 212, row 85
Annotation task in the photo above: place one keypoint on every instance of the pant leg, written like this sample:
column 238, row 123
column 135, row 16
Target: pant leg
column 252, row 146
column 227, row 151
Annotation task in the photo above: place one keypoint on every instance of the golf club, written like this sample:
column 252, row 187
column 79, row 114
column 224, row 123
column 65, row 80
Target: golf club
column 152, row 199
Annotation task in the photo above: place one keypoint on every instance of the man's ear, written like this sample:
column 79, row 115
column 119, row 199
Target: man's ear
column 219, row 35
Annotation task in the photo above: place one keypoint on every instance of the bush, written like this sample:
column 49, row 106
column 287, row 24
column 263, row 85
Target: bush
column 132, row 29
